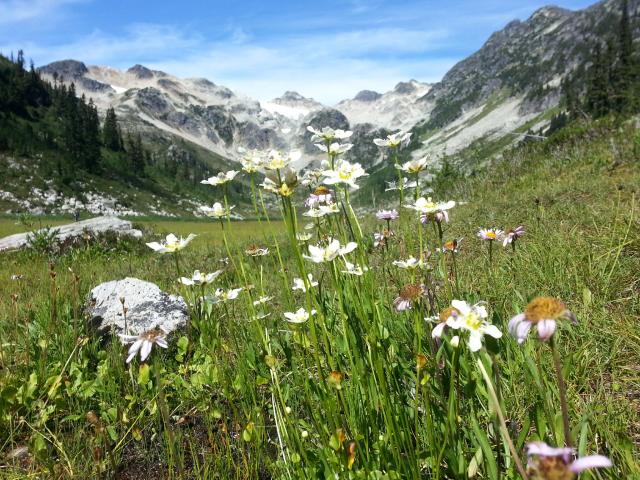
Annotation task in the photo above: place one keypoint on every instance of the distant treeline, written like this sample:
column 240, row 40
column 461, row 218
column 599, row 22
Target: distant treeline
column 609, row 83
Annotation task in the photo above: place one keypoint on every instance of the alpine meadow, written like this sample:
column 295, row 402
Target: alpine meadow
column 441, row 281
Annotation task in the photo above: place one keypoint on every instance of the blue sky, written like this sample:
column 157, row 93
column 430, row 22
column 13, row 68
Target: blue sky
column 328, row 50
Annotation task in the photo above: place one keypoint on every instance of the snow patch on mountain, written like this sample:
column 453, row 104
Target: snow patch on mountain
column 396, row 109
column 485, row 121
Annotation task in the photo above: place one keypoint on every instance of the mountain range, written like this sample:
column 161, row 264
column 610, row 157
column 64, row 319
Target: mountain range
column 510, row 82
column 511, row 85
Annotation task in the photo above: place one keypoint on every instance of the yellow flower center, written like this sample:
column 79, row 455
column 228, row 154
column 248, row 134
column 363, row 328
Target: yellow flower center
column 473, row 321
column 543, row 308
column 491, row 235
column 151, row 335
column 421, row 361
column 552, row 468
column 285, row 191
column 410, row 292
column 451, row 245
column 344, row 174
column 448, row 312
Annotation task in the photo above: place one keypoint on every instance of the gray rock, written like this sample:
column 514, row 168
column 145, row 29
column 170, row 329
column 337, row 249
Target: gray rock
column 93, row 225
column 147, row 307
column 69, row 69
column 140, row 71
column 367, row 96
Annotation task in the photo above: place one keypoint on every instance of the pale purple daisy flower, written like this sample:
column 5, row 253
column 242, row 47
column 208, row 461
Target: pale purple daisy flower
column 548, row 463
column 387, row 215
column 321, row 195
column 541, row 312
column 144, row 342
column 408, row 295
column 512, row 235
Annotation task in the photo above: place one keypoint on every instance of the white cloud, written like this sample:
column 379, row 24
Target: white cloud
column 17, row 11
column 328, row 67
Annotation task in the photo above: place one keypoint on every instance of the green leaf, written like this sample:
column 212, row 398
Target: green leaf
column 475, row 462
column 183, row 345
column 587, row 297
column 247, row 433
column 113, row 433
column 143, row 374
column 483, row 442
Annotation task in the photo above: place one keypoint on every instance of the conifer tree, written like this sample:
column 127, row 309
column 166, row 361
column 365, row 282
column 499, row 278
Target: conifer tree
column 623, row 73
column 597, row 101
column 110, row 131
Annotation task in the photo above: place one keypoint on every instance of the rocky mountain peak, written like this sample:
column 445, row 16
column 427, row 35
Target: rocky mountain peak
column 140, row 71
column 291, row 96
column 550, row 11
column 405, row 87
column 69, row 69
column 367, row 96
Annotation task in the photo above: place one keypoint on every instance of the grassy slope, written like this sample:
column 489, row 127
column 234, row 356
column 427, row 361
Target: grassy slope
column 577, row 202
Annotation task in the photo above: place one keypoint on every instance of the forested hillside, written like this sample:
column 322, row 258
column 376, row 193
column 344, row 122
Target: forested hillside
column 52, row 138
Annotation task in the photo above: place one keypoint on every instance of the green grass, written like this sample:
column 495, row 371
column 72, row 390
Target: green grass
column 240, row 393
column 209, row 233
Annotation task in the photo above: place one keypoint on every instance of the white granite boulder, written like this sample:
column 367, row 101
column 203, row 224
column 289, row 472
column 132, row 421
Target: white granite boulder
column 147, row 307
column 93, row 225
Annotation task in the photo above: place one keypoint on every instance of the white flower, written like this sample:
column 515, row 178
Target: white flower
column 344, row 172
column 328, row 134
column 352, row 269
column 322, row 210
column 298, row 283
column 198, row 279
column 221, row 178
column 217, row 211
column 394, row 140
column 303, row 236
column 171, row 244
column 311, row 177
column 472, row 318
column 144, row 342
column 300, row 316
column 427, row 206
column 221, row 295
column 261, row 300
column 414, row 166
column 490, row 234
column 277, row 160
column 283, row 183
column 320, row 254
column 335, row 148
column 251, row 160
column 404, row 185
column 410, row 263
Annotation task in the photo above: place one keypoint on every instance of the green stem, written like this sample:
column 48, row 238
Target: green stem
column 505, row 431
column 562, row 387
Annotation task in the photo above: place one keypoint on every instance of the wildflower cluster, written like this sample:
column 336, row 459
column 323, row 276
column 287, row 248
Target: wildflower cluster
column 357, row 380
